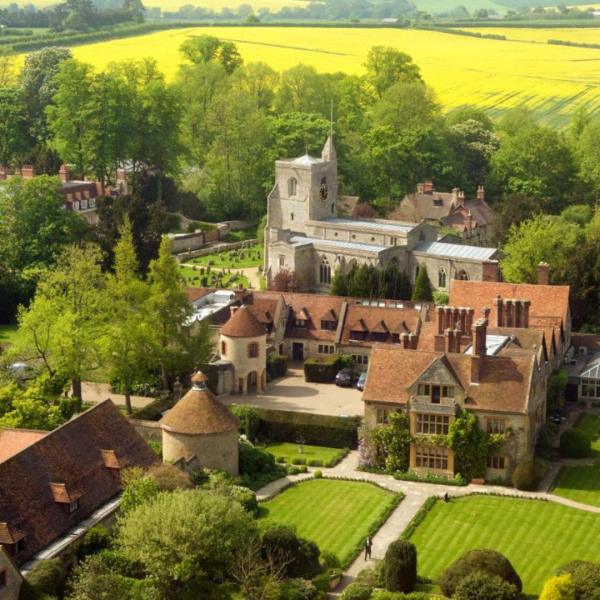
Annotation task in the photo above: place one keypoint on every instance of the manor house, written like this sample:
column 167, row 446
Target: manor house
column 305, row 234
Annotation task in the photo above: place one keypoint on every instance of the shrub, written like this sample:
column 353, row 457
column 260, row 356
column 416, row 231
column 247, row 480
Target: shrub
column 575, row 443
column 293, row 470
column 322, row 370
column 47, row 577
column 486, row 561
column 330, row 561
column 401, row 566
column 480, row 586
column 585, row 577
column 543, row 446
column 312, row 462
column 300, row 589
column 559, row 588
column 386, row 595
column 70, row 406
column 156, row 448
column 168, row 478
column 557, row 384
column 303, row 469
column 303, row 554
column 94, row 541
column 528, row 474
column 277, row 365
column 246, row 497
column 357, row 591
column 347, row 361
column 280, row 459
column 254, row 460
column 249, row 420
column 317, row 474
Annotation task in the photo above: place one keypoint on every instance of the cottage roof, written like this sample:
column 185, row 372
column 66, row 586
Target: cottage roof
column 243, row 324
column 70, row 455
column 429, row 206
column 477, row 210
column 199, row 412
column 13, row 441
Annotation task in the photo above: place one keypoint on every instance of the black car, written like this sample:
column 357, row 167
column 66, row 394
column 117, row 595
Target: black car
column 346, row 377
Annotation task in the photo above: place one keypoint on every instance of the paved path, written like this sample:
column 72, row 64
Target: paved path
column 97, row 392
column 415, row 495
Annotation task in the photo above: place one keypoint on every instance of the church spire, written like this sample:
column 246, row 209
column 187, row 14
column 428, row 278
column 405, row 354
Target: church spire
column 329, row 154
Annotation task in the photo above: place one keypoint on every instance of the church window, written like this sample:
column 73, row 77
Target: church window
column 324, row 181
column 224, row 348
column 442, row 278
column 353, row 236
column 394, row 241
column 325, row 271
column 253, row 350
column 291, row 216
column 293, row 186
column 462, row 275
column 281, row 260
column 333, row 209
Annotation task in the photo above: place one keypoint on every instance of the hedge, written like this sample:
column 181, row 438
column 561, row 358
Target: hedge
column 322, row 370
column 575, row 443
column 277, row 365
column 317, row 430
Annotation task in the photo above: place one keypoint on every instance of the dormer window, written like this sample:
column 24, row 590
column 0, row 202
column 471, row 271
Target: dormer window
column 299, row 323
column 357, row 336
column 73, row 506
column 328, row 325
column 438, row 202
column 436, row 393
column 111, row 461
column 12, row 539
column 67, row 497
column 378, row 336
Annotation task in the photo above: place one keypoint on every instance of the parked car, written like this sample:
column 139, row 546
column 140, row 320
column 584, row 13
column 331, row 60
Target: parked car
column 22, row 371
column 346, row 377
column 362, row 380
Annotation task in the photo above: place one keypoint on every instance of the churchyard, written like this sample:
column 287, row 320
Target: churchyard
column 337, row 515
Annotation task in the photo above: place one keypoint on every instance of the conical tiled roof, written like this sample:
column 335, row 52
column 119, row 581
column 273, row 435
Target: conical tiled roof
column 243, row 324
column 199, row 412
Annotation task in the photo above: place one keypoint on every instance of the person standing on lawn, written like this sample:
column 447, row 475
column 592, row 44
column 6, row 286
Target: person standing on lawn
column 368, row 546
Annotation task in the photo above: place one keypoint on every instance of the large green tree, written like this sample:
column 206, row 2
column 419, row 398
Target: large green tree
column 386, row 66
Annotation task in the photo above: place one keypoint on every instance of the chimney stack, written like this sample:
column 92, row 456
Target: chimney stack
column 461, row 198
column 480, row 193
column 479, row 348
column 449, row 341
column 64, row 173
column 28, row 172
column 543, row 274
column 428, row 187
column 455, row 192
column 420, row 189
column 489, row 270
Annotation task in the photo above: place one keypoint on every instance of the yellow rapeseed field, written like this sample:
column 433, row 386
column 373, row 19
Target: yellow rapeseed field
column 584, row 35
column 217, row 5
column 495, row 75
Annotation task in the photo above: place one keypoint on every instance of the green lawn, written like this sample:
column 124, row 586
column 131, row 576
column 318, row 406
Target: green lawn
column 536, row 536
column 290, row 451
column 192, row 278
column 232, row 259
column 8, row 333
column 582, row 484
column 337, row 515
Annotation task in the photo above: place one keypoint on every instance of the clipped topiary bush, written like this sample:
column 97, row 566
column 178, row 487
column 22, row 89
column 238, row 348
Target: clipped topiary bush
column 357, row 591
column 484, row 560
column 322, row 370
column 401, row 567
column 317, row 474
column 575, row 443
column 480, row 586
column 277, row 365
column 528, row 474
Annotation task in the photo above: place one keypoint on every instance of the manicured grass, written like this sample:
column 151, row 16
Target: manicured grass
column 582, row 484
column 290, row 451
column 253, row 257
column 8, row 334
column 535, row 536
column 337, row 515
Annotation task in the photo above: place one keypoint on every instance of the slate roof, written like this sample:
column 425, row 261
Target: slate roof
column 546, row 300
column 431, row 206
column 243, row 324
column 199, row 412
column 71, row 456
column 455, row 251
column 481, row 213
column 13, row 441
column 503, row 386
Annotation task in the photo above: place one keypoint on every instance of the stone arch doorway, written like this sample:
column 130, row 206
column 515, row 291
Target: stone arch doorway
column 253, row 382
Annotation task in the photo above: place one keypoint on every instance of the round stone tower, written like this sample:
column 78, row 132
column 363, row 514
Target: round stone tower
column 201, row 430
column 243, row 343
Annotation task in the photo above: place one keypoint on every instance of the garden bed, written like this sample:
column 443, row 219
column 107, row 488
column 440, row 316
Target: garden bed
column 312, row 456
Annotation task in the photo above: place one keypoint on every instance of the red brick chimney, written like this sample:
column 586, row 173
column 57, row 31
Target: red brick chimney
column 28, row 172
column 64, row 173
column 489, row 270
column 543, row 274
column 428, row 187
column 480, row 193
column 479, row 348
column 449, row 341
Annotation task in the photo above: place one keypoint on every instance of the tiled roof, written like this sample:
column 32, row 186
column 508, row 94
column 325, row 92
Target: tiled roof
column 418, row 207
column 379, row 320
column 195, row 293
column 10, row 535
column 13, row 441
column 591, row 341
column 546, row 300
column 243, row 324
column 317, row 307
column 504, row 382
column 70, row 455
column 481, row 213
column 64, row 495
column 199, row 412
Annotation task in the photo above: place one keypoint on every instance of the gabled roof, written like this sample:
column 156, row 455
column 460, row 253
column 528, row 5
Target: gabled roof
column 480, row 212
column 199, row 412
column 546, row 300
column 431, row 206
column 10, row 535
column 13, row 441
column 70, row 455
column 243, row 324
column 504, row 381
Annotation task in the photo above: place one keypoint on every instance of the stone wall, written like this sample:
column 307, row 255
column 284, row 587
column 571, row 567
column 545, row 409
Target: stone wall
column 13, row 577
column 149, row 430
column 190, row 241
column 186, row 256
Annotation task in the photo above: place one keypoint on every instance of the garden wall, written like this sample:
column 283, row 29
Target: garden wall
column 181, row 258
column 149, row 430
column 317, row 430
column 190, row 241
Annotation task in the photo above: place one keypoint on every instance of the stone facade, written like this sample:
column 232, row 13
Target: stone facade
column 10, row 577
column 305, row 234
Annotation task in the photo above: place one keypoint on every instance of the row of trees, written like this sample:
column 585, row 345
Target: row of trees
column 84, row 321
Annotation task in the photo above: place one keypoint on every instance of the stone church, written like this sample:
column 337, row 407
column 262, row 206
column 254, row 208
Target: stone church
column 305, row 234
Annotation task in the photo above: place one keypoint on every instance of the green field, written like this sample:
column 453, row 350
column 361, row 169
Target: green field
column 536, row 536
column 337, row 515
column 582, row 484
column 290, row 451
column 8, row 334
